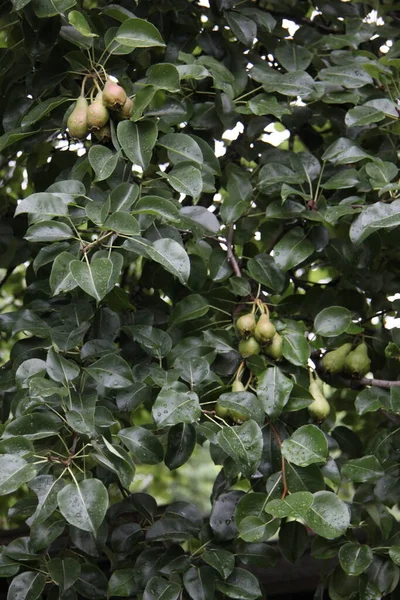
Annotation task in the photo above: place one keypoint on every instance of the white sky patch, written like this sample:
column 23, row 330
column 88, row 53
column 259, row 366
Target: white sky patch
column 386, row 47
column 290, row 26
column 372, row 17
column 274, row 137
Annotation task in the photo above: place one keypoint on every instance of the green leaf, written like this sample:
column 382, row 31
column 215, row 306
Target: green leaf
column 180, row 444
column 77, row 20
column 350, row 77
column 43, row 204
column 164, row 77
column 295, row 505
column 328, row 516
column 266, row 104
column 61, row 369
column 51, row 8
column 157, row 206
column 14, row 472
column 307, row 445
column 354, row 558
column 264, row 270
column 332, row 321
column 221, row 560
column 8, row 567
column 240, row 585
column 112, row 371
column 123, row 223
column 293, row 249
column 243, row 444
column 138, row 33
column 239, row 191
column 13, row 136
column 295, row 347
column 244, row 403
column 103, row 161
column 293, row 540
column 181, row 147
column 64, row 572
column 394, row 553
column 26, row 586
column 46, row 488
column 61, row 279
column 93, row 278
column 192, row 307
column 374, row 217
column 292, row 57
column 48, row 231
column 363, row 115
column 172, row 407
column 41, row 110
column 274, row 390
column 242, row 27
column 123, row 582
column 159, row 588
column 343, row 152
column 137, row 141
column 143, row 444
column 192, row 370
column 123, row 197
column 172, row 257
column 185, row 179
column 364, row 469
column 35, row 426
column 84, row 504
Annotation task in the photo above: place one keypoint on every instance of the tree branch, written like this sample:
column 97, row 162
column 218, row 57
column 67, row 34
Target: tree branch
column 231, row 255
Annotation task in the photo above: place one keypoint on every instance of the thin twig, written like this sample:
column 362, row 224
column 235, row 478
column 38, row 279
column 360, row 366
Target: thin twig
column 231, row 255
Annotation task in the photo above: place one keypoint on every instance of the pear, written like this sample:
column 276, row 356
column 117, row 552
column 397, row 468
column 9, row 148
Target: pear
column 237, row 417
column 246, row 325
column 274, row 349
column 103, row 135
column 249, row 347
column 125, row 112
column 238, row 386
column 357, row 362
column 319, row 409
column 114, row 96
column 333, row 362
column 97, row 114
column 221, row 411
column 78, row 120
column 265, row 330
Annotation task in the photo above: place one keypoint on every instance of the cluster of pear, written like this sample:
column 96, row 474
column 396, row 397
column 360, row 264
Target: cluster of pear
column 258, row 335
column 94, row 117
column 354, row 362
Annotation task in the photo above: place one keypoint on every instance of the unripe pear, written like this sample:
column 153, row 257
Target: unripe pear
column 238, row 386
column 265, row 330
column 114, row 96
column 78, row 120
column 97, row 114
column 274, row 349
column 237, row 416
column 249, row 347
column 103, row 135
column 221, row 411
column 246, row 325
column 319, row 409
column 357, row 362
column 125, row 112
column 333, row 362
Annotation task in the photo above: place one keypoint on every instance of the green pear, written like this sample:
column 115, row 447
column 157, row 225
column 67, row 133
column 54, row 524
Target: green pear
column 333, row 362
column 125, row 111
column 319, row 409
column 78, row 120
column 265, row 330
column 249, row 347
column 357, row 362
column 246, row 325
column 98, row 115
column 238, row 386
column 114, row 96
column 103, row 135
column 274, row 349
column 221, row 411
